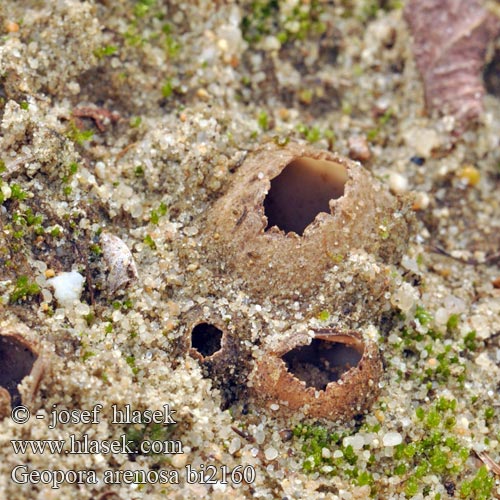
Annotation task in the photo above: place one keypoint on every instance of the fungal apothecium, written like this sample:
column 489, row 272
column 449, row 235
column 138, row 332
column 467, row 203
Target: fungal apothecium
column 213, row 343
column 295, row 223
column 291, row 212
column 333, row 375
column 18, row 359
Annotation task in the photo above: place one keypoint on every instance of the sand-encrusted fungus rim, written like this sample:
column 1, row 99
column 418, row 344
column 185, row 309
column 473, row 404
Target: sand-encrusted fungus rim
column 196, row 352
column 20, row 358
column 362, row 215
column 352, row 393
column 322, row 168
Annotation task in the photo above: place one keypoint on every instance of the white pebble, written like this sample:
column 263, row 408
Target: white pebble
column 357, row 441
column 259, row 436
column 422, row 140
column 271, row 453
column 392, row 439
column 67, row 287
column 398, row 184
column 235, row 445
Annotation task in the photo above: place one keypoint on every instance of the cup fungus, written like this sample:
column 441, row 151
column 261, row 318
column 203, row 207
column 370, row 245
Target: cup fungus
column 301, row 191
column 217, row 350
column 292, row 212
column 334, row 377
column 206, row 340
column 18, row 359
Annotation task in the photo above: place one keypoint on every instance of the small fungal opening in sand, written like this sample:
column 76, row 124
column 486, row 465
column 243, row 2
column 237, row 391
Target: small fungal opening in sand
column 16, row 362
column 322, row 361
column 301, row 191
column 206, row 339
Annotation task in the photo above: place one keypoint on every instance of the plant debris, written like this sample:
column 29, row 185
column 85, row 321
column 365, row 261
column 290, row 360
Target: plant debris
column 450, row 42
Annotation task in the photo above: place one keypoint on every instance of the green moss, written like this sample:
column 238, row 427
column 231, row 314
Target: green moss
column 122, row 305
column 260, row 21
column 438, row 451
column 154, row 217
column 470, row 341
column 479, row 487
column 433, row 419
column 424, row 318
column 364, row 478
column 263, row 121
column 400, row 469
column 131, row 362
column 77, row 135
column 96, row 249
column 31, row 218
column 489, row 413
column 149, row 242
column 135, row 121
column 55, row 232
column 411, row 487
column 324, row 315
column 366, row 10
column 281, row 140
column 157, row 213
column 167, row 88
column 311, row 134
column 444, row 405
column 142, row 7
column 172, row 46
column 73, row 168
column 106, row 51
column 17, row 193
column 23, row 289
column 265, row 18
column 452, row 322
column 136, row 434
column 87, row 354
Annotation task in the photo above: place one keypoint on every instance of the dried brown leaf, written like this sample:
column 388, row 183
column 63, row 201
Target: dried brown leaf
column 450, row 42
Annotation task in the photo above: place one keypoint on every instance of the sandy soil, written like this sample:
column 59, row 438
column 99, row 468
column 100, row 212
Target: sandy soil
column 122, row 124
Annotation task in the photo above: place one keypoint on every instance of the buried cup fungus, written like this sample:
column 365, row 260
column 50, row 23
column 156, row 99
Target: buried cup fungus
column 293, row 213
column 216, row 347
column 18, row 359
column 206, row 340
column 333, row 377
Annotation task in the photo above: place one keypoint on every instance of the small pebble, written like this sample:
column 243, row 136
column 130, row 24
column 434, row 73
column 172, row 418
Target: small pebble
column 392, row 439
column 359, row 148
column 470, row 175
column 271, row 453
column 357, row 441
column 235, row 445
column 11, row 27
column 421, row 201
column 398, row 184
